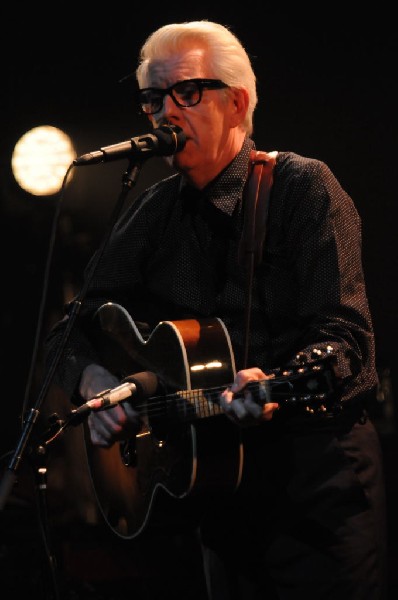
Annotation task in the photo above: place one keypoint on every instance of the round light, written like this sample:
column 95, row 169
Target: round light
column 41, row 158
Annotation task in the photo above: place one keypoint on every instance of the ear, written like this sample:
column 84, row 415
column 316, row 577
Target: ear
column 240, row 103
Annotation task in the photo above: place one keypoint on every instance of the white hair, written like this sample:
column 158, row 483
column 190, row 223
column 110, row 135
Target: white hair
column 229, row 60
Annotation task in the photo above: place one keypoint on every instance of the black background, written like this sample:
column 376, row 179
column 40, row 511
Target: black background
column 326, row 85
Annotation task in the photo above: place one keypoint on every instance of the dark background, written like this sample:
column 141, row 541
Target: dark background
column 326, row 85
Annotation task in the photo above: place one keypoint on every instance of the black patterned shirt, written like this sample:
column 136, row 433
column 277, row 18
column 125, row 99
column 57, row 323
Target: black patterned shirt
column 173, row 255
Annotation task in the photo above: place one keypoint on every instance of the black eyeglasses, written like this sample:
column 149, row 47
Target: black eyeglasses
column 184, row 94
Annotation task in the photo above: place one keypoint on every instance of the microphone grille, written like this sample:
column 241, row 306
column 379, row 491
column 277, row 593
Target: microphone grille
column 171, row 139
column 146, row 383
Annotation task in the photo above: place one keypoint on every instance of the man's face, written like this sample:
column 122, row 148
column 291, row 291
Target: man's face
column 208, row 127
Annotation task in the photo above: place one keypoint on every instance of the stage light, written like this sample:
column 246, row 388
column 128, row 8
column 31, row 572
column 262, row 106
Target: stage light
column 41, row 158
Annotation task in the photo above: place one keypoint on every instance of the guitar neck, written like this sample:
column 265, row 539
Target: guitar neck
column 312, row 391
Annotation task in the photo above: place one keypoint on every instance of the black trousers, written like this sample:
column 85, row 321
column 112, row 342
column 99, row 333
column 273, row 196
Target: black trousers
column 308, row 520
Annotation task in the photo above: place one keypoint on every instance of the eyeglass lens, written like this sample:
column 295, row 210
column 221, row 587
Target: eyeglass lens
column 184, row 93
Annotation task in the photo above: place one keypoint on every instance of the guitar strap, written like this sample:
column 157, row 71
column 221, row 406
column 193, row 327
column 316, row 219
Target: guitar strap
column 256, row 200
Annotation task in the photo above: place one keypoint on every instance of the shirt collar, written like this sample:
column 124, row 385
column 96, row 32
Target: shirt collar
column 225, row 191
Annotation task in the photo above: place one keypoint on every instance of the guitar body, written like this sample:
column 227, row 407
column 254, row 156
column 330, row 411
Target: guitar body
column 171, row 459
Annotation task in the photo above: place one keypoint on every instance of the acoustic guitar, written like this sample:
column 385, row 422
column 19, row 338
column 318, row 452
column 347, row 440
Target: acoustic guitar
column 187, row 452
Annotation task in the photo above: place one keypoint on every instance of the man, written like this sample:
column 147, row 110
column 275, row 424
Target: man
column 307, row 517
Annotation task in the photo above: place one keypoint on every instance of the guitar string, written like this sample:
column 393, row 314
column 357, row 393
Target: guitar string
column 206, row 407
column 203, row 402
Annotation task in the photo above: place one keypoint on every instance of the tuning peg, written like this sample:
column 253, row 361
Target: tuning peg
column 316, row 353
column 301, row 357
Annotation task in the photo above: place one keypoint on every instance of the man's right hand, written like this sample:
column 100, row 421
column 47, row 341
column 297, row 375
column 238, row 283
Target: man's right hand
column 107, row 426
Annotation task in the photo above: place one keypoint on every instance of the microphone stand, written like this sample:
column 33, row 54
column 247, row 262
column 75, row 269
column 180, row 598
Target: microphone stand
column 129, row 179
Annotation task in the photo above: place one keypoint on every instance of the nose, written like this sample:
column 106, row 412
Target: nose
column 169, row 106
column 166, row 113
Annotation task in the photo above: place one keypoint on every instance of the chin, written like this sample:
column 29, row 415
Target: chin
column 178, row 161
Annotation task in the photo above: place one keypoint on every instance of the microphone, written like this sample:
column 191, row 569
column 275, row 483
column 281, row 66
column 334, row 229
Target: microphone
column 164, row 141
column 139, row 385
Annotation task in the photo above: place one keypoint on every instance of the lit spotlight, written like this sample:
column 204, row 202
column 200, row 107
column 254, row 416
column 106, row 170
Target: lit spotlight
column 41, row 158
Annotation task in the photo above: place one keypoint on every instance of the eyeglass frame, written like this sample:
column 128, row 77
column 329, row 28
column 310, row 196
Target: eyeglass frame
column 210, row 84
